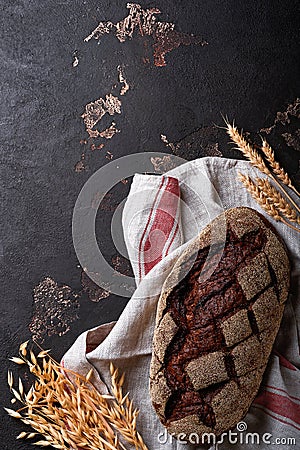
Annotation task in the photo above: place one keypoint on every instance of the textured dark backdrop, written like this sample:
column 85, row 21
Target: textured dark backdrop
column 248, row 71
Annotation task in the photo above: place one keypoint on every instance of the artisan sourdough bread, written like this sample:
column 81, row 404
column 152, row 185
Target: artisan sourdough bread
column 217, row 319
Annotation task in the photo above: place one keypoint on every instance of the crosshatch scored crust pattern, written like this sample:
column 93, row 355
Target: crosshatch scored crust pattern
column 213, row 339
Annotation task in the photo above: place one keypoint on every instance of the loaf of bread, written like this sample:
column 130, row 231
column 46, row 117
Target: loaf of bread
column 217, row 319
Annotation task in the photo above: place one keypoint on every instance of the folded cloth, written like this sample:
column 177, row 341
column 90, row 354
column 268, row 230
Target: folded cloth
column 162, row 214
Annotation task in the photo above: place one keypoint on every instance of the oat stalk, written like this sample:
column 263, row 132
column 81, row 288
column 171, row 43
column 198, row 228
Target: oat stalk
column 265, row 198
column 68, row 412
column 277, row 173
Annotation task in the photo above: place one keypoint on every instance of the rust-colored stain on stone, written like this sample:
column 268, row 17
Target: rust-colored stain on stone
column 286, row 124
column 75, row 60
column 122, row 80
column 94, row 147
column 80, row 166
column 292, row 139
column 167, row 143
column 95, row 110
column 166, row 39
column 109, row 132
column 122, row 265
column 94, row 292
column 163, row 164
column 201, row 142
column 284, row 118
column 109, row 155
column 55, row 309
column 145, row 23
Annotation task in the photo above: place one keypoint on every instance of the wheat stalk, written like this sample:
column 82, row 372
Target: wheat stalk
column 266, row 199
column 69, row 412
column 257, row 161
column 276, row 168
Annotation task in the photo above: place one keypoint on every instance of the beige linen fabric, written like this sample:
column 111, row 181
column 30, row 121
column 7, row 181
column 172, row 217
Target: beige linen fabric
column 207, row 186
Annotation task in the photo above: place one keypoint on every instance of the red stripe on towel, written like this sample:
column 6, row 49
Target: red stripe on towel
column 284, row 362
column 160, row 225
column 283, row 391
column 146, row 228
column 280, row 405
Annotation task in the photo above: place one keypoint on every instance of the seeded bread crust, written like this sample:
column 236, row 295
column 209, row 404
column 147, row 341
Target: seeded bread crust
column 217, row 319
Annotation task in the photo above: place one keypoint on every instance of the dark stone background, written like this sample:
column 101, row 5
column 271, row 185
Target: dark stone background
column 249, row 71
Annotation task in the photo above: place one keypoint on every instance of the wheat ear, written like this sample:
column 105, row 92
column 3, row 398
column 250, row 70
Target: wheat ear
column 255, row 158
column 277, row 169
column 278, row 200
column 263, row 200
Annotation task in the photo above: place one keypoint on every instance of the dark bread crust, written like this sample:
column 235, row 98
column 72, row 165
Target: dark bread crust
column 213, row 336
